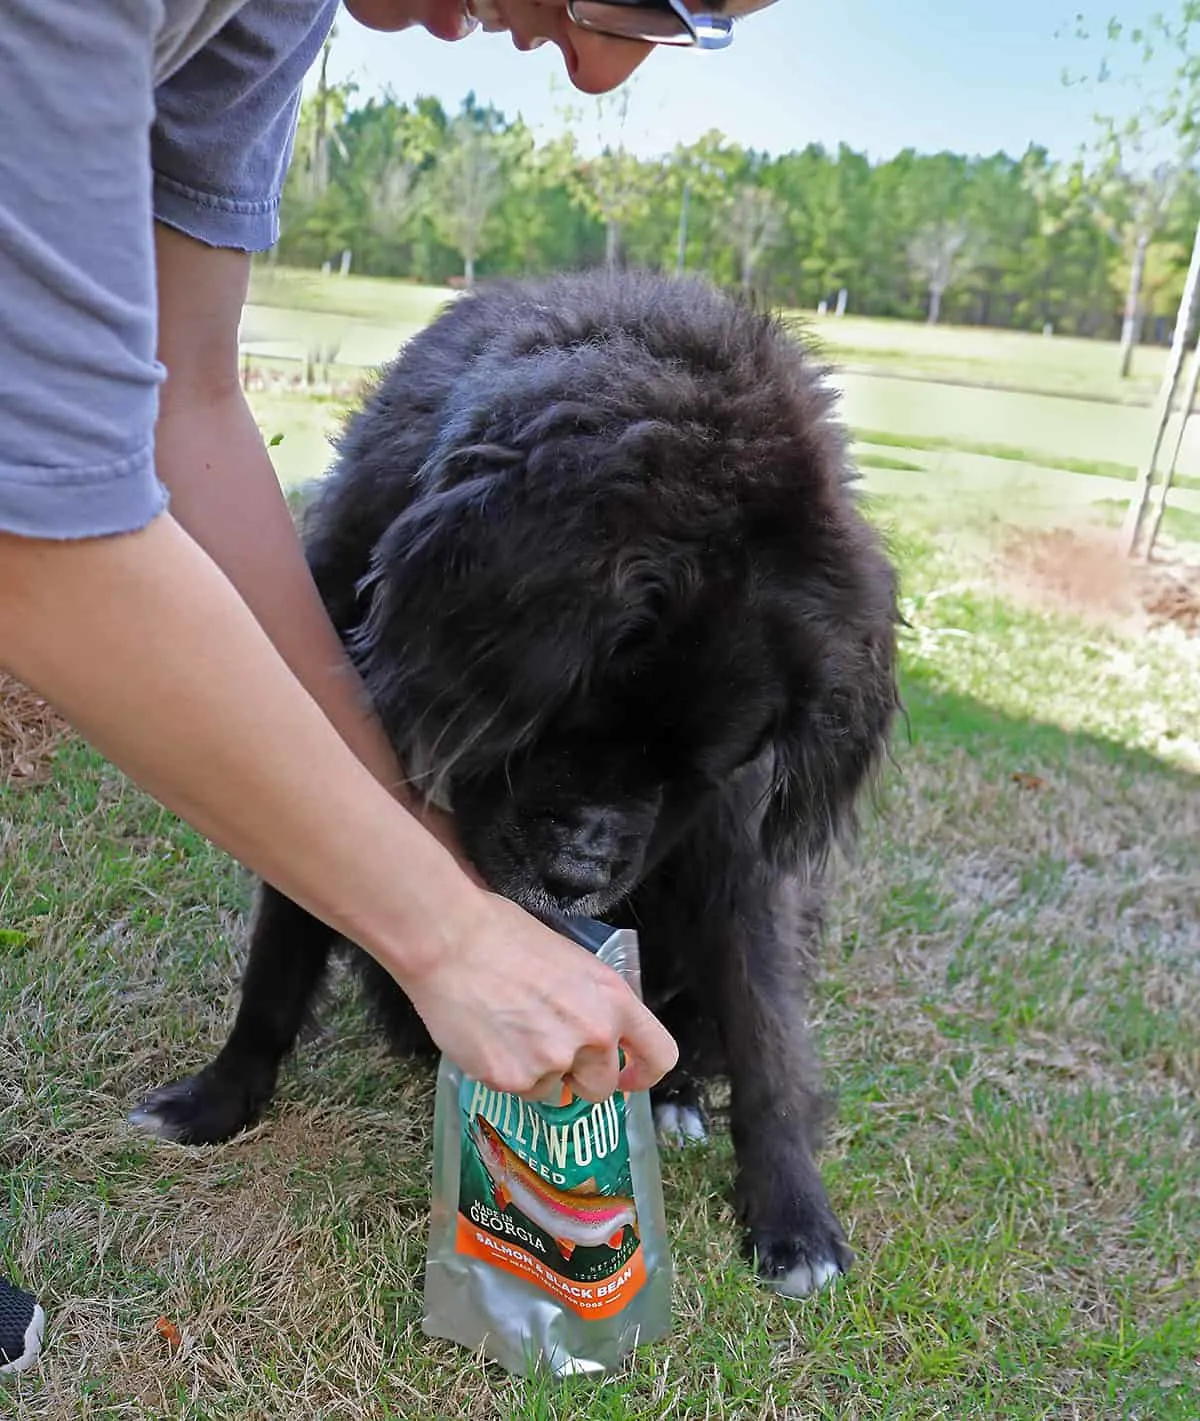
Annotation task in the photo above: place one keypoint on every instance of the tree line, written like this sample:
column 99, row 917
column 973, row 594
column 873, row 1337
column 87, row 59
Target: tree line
column 407, row 189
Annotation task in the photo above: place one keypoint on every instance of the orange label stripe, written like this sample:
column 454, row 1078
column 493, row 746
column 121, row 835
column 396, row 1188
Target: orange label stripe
column 602, row 1298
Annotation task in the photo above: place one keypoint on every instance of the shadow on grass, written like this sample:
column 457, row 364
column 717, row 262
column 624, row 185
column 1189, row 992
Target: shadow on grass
column 941, row 719
column 1011, row 1156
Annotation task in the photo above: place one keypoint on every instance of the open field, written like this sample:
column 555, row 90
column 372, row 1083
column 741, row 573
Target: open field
column 1014, row 359
column 1010, row 1017
column 1049, row 400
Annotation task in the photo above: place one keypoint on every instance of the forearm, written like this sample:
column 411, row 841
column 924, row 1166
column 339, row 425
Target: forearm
column 225, row 494
column 146, row 647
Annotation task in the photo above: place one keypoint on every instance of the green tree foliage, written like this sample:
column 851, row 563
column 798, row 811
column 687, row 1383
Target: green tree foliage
column 1146, row 146
column 409, row 190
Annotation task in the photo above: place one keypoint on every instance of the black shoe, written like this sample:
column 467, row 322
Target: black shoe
column 22, row 1323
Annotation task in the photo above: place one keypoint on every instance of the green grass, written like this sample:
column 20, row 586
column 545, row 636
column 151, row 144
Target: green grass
column 1066, row 412
column 353, row 323
column 1009, row 1014
column 1178, row 523
column 303, row 426
column 378, row 300
column 1000, row 359
column 869, row 459
column 1100, row 468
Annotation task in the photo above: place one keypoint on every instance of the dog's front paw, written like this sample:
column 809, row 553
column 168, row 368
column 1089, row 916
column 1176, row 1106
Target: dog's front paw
column 677, row 1125
column 680, row 1115
column 800, row 1261
column 198, row 1110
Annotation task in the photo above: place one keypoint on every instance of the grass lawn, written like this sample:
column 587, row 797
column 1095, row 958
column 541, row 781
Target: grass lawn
column 355, row 321
column 1053, row 403
column 1017, row 360
column 1010, row 1016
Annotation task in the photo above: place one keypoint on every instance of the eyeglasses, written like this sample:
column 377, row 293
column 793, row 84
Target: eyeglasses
column 653, row 22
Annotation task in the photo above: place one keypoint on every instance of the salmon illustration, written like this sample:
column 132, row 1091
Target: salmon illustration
column 572, row 1220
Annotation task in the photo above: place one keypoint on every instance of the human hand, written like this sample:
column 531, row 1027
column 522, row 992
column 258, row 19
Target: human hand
column 522, row 1009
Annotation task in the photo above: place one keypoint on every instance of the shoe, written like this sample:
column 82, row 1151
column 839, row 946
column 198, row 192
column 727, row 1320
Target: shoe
column 22, row 1323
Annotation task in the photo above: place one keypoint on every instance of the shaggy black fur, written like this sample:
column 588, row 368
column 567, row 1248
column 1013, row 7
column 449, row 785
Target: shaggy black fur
column 593, row 546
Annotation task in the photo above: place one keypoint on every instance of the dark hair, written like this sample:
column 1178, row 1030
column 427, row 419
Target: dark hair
column 593, row 544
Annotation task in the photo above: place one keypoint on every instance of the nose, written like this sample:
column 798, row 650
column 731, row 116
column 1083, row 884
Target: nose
column 572, row 877
column 594, row 850
column 595, row 834
column 597, row 63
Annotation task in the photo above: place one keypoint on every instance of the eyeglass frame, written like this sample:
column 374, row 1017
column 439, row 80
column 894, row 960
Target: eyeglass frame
column 717, row 29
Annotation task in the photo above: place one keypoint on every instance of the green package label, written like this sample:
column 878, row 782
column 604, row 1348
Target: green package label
column 547, row 1192
column 547, row 1233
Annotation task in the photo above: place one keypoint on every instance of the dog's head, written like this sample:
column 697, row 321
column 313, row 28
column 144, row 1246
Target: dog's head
column 630, row 587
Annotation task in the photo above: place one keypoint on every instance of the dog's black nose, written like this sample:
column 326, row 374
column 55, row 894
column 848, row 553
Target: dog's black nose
column 596, row 833
column 577, row 876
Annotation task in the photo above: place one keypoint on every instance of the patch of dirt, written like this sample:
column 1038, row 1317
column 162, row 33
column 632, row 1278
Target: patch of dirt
column 1177, row 601
column 1085, row 572
column 30, row 732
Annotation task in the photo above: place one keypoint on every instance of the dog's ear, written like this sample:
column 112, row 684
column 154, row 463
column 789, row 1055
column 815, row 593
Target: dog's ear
column 434, row 602
column 839, row 664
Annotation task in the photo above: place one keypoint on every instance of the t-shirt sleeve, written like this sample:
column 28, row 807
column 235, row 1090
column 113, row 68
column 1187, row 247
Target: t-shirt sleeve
column 79, row 376
column 226, row 121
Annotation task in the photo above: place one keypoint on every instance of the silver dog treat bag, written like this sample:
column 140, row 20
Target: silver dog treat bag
column 548, row 1240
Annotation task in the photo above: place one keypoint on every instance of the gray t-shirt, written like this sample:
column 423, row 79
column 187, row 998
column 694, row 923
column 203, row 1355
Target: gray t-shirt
column 116, row 114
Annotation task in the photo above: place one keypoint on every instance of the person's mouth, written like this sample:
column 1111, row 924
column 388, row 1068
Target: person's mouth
column 489, row 14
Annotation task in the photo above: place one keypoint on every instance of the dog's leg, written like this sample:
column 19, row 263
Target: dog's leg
column 288, row 952
column 407, row 1034
column 678, row 1101
column 764, row 956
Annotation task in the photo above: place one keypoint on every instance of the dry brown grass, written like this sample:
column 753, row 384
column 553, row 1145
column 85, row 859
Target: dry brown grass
column 1010, row 1017
column 30, row 732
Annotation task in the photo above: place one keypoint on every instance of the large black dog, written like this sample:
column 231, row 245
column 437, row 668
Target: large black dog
column 593, row 546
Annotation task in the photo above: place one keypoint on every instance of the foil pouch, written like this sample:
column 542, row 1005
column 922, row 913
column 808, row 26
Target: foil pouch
column 548, row 1244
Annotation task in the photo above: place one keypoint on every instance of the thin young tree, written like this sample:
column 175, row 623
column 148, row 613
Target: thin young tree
column 754, row 223
column 1147, row 137
column 466, row 187
column 603, row 176
column 941, row 253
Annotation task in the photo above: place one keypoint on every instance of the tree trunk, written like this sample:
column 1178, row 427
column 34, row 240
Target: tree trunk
column 612, row 244
column 1133, row 302
column 1168, row 478
column 935, row 304
column 681, row 254
column 1166, row 396
column 469, row 271
column 320, row 142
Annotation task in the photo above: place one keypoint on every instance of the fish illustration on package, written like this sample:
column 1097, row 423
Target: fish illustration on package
column 548, row 1242
column 572, row 1218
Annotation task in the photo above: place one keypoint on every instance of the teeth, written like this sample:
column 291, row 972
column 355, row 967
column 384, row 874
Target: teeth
column 487, row 12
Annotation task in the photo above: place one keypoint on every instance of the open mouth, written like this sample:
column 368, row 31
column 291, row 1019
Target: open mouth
column 537, row 898
column 489, row 14
column 492, row 20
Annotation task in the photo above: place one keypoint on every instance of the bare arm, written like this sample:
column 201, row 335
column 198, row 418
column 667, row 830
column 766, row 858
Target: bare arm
column 196, row 655
column 225, row 493
column 147, row 648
